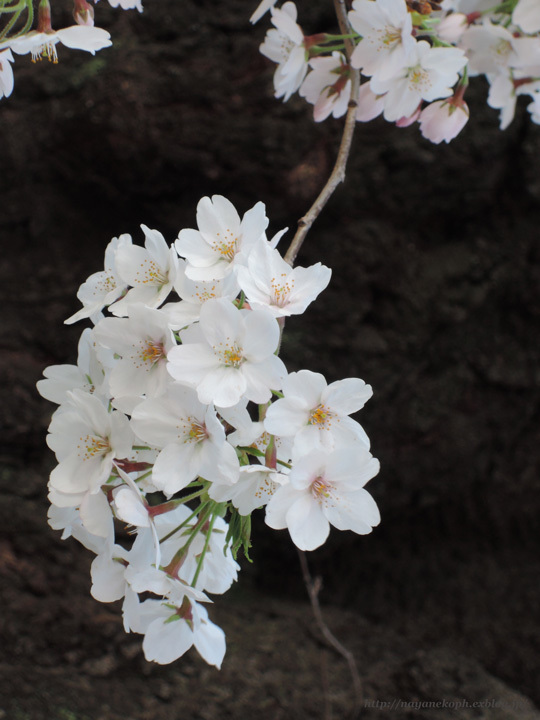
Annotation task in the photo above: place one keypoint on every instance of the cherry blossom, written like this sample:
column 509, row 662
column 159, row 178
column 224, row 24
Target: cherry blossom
column 316, row 414
column 192, row 438
column 222, row 241
column 326, row 489
column 234, row 358
column 284, row 44
column 443, row 120
column 269, row 282
column 43, row 44
column 142, row 342
column 387, row 41
column 327, row 86
column 6, row 73
column 104, row 287
column 151, row 271
column 429, row 75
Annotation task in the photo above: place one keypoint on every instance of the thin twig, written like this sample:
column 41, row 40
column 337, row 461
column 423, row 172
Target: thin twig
column 313, row 587
column 338, row 173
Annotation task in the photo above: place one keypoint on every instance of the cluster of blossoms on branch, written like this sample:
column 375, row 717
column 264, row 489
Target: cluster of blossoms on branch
column 416, row 58
column 179, row 420
column 18, row 35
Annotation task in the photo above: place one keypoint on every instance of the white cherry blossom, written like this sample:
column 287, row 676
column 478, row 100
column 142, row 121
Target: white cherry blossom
column 284, row 44
column 254, row 488
column 104, row 287
column 151, row 271
column 88, row 375
column 142, row 341
column 191, row 437
column 170, row 632
column 269, row 282
column 235, row 358
column 326, row 489
column 387, row 41
column 86, row 439
column 222, row 241
column 328, row 86
column 316, row 414
column 43, row 44
column 6, row 73
column 429, row 75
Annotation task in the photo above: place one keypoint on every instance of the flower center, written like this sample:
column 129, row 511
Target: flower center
column 204, row 295
column 47, row 50
column 151, row 274
column 321, row 416
column 229, row 355
column 390, row 36
column 320, row 489
column 281, row 289
column 418, row 78
column 226, row 244
column 197, row 431
column 152, row 352
column 92, row 446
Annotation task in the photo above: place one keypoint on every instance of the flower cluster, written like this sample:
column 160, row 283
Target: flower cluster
column 18, row 36
column 180, row 420
column 416, row 58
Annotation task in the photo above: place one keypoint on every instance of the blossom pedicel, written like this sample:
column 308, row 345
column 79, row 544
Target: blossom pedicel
column 158, row 406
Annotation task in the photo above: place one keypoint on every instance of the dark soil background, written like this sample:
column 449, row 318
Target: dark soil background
column 434, row 301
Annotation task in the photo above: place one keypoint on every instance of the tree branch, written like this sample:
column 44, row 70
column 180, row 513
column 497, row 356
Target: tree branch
column 338, row 173
column 313, row 587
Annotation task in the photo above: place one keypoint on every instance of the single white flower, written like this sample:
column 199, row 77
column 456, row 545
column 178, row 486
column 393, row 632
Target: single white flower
column 43, row 44
column 171, row 632
column 316, row 414
column 6, row 73
column 235, row 358
column 254, row 488
column 194, row 293
column 493, row 49
column 328, row 86
column 86, row 439
column 222, row 241
column 269, row 282
column 429, row 75
column 104, row 287
column 284, row 44
column 191, row 437
column 142, row 342
column 387, row 41
column 151, row 271
column 88, row 375
column 326, row 489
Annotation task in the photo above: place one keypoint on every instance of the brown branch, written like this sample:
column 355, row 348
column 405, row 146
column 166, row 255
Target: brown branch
column 338, row 173
column 313, row 587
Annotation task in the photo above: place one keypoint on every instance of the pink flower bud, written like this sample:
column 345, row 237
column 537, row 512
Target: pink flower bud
column 444, row 119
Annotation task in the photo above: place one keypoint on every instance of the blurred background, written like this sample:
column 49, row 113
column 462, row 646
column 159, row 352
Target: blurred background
column 434, row 301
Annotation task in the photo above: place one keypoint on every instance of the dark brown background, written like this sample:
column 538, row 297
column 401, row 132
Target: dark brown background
column 434, row 301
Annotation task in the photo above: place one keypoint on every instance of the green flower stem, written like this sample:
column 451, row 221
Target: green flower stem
column 183, row 524
column 16, row 15
column 215, row 515
column 175, row 564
